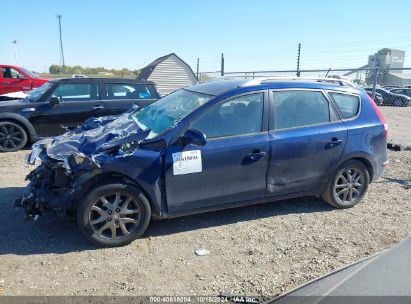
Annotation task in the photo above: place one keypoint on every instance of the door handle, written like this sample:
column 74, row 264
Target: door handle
column 333, row 143
column 95, row 108
column 256, row 155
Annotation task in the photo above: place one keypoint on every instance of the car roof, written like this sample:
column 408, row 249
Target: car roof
column 104, row 80
column 220, row 87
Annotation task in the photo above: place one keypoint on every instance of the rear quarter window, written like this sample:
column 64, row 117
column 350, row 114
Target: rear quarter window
column 348, row 105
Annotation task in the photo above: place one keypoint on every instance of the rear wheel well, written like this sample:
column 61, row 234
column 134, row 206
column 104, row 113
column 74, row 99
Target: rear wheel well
column 367, row 165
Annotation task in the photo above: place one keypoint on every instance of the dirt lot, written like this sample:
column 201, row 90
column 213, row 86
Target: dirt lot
column 258, row 250
column 399, row 124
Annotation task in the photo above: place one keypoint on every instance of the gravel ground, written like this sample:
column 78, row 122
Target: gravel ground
column 399, row 124
column 258, row 250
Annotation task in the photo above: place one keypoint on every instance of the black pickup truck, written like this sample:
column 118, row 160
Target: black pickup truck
column 62, row 104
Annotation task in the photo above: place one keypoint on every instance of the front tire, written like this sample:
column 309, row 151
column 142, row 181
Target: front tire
column 13, row 137
column 113, row 214
column 347, row 186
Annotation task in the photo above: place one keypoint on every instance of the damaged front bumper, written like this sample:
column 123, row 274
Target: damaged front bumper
column 53, row 185
column 51, row 188
column 70, row 160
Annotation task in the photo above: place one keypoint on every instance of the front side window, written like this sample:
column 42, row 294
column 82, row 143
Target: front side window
column 238, row 116
column 167, row 111
column 300, row 108
column 75, row 92
column 397, row 91
column 30, row 73
column 127, row 91
column 36, row 94
column 347, row 104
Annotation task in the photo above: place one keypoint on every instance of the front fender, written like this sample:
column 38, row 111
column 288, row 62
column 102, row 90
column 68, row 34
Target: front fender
column 144, row 168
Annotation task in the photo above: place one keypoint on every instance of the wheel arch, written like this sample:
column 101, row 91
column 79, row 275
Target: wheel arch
column 24, row 122
column 364, row 158
column 99, row 177
column 367, row 165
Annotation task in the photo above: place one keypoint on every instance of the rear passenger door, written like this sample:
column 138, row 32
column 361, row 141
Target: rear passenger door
column 307, row 139
column 120, row 97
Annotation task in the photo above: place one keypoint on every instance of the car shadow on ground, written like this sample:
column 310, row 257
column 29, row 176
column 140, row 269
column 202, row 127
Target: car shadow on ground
column 402, row 182
column 51, row 234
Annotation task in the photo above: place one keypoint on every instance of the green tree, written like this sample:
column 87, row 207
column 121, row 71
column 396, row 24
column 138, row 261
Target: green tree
column 54, row 69
column 136, row 73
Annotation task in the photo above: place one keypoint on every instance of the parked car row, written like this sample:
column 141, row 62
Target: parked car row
column 396, row 97
column 403, row 91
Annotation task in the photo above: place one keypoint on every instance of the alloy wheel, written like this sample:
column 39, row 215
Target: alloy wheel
column 349, row 185
column 11, row 136
column 114, row 215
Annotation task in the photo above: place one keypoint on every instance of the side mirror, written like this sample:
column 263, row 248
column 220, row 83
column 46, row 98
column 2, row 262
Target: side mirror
column 194, row 137
column 54, row 100
column 22, row 77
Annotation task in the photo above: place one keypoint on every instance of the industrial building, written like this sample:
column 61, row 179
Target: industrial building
column 389, row 64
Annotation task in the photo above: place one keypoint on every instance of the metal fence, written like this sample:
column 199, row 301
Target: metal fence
column 390, row 88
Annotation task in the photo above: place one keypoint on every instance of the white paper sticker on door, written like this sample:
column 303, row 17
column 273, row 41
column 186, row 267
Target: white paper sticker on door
column 187, row 162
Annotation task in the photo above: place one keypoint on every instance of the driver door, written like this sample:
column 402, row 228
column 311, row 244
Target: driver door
column 78, row 102
column 14, row 81
column 231, row 167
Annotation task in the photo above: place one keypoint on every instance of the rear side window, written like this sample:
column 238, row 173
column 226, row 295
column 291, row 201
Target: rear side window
column 347, row 104
column 300, row 108
column 127, row 91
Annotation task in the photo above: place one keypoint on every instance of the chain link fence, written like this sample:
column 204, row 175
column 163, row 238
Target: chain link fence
column 390, row 88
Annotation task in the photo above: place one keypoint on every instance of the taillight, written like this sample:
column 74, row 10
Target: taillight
column 379, row 114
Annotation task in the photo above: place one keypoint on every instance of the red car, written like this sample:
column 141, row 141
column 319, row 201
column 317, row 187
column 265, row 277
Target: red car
column 15, row 79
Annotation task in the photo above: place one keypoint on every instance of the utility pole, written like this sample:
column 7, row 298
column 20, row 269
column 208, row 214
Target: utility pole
column 375, row 82
column 222, row 64
column 198, row 69
column 15, row 50
column 298, row 60
column 59, row 16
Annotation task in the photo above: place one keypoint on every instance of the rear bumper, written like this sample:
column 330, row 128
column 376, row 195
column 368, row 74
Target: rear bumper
column 379, row 171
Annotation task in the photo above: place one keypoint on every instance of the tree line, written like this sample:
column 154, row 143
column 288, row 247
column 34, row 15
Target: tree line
column 77, row 69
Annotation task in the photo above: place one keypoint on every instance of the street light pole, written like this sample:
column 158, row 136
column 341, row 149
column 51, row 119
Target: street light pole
column 59, row 16
column 15, row 50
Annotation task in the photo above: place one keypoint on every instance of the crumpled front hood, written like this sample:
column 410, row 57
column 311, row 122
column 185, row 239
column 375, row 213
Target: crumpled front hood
column 96, row 136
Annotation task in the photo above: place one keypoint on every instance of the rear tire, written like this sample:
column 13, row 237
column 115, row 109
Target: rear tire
column 13, row 136
column 113, row 214
column 347, row 186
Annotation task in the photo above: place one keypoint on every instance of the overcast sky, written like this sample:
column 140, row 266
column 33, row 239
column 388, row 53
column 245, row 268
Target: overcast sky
column 254, row 35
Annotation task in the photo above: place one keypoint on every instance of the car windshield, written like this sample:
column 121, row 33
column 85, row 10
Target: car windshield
column 167, row 111
column 30, row 73
column 36, row 94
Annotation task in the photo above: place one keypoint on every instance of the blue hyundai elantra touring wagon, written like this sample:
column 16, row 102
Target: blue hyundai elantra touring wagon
column 211, row 146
